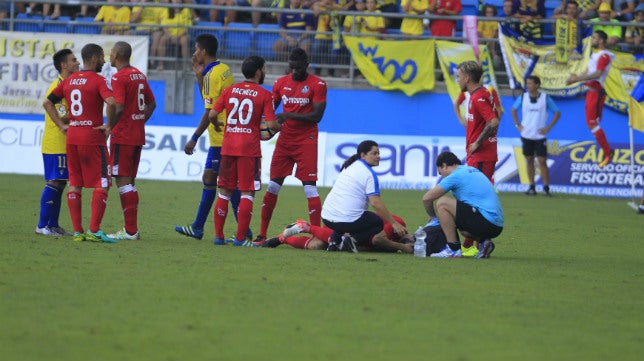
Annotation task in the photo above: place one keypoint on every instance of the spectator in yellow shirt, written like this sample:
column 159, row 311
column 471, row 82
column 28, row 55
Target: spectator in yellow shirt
column 372, row 24
column 490, row 29
column 410, row 26
column 175, row 23
column 116, row 14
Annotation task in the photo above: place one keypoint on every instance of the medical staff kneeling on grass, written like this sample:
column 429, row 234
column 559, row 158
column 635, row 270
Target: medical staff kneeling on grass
column 345, row 207
column 475, row 209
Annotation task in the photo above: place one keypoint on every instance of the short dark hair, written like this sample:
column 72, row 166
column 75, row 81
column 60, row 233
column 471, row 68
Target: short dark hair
column 209, row 43
column 448, row 158
column 91, row 50
column 60, row 57
column 602, row 35
column 535, row 79
column 251, row 65
column 123, row 50
column 471, row 69
column 299, row 54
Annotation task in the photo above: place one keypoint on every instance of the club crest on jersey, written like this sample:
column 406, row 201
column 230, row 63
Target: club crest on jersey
column 305, row 89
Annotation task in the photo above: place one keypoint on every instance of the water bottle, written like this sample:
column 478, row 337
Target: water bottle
column 420, row 248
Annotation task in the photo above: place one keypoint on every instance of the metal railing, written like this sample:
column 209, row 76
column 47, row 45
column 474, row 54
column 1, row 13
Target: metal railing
column 237, row 40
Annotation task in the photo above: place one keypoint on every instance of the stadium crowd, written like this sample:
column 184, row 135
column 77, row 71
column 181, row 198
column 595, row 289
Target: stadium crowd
column 171, row 24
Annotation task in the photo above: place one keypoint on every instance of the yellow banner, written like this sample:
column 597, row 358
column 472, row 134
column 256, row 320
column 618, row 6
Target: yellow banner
column 635, row 115
column 394, row 65
column 489, row 77
column 450, row 54
column 526, row 59
column 562, row 44
column 624, row 74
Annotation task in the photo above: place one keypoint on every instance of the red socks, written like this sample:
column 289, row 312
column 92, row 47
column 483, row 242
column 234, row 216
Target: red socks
column 315, row 208
column 244, row 214
column 75, row 204
column 268, row 205
column 221, row 211
column 99, row 203
column 130, row 205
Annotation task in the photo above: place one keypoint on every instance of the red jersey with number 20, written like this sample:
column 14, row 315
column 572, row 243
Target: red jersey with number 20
column 245, row 104
column 131, row 89
column 85, row 92
column 298, row 97
column 481, row 110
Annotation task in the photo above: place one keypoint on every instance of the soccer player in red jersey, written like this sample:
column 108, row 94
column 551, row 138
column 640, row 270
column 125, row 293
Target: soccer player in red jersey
column 482, row 123
column 88, row 160
column 482, row 119
column 134, row 106
column 464, row 97
column 304, row 100
column 245, row 104
column 321, row 236
column 595, row 78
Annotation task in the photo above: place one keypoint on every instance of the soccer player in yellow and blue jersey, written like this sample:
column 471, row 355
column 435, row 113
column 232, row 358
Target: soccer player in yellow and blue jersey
column 54, row 153
column 213, row 77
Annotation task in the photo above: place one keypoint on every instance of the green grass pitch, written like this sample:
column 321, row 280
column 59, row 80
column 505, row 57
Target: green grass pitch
column 564, row 283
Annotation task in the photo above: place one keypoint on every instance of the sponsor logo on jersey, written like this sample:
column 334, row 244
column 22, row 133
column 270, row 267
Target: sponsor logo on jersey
column 80, row 123
column 238, row 130
column 298, row 101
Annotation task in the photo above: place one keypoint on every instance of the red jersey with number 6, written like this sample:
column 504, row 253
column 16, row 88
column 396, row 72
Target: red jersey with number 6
column 131, row 89
column 245, row 104
column 85, row 92
column 481, row 110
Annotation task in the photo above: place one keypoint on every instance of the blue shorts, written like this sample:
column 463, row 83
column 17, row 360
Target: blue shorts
column 55, row 166
column 213, row 159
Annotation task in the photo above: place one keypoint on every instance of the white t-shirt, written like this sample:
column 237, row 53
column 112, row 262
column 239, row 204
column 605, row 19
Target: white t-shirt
column 349, row 197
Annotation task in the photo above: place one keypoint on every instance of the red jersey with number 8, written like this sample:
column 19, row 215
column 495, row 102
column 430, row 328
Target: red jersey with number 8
column 85, row 92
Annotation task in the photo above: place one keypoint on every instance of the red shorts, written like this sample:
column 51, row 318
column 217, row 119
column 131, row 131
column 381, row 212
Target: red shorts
column 88, row 166
column 125, row 159
column 486, row 168
column 594, row 106
column 286, row 156
column 241, row 173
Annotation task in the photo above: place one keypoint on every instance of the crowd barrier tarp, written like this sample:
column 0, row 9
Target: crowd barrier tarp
column 394, row 65
column 27, row 69
column 450, row 54
column 524, row 58
column 407, row 162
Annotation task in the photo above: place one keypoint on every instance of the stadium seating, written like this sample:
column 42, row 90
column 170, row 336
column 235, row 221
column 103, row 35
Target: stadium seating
column 264, row 40
column 238, row 40
column 207, row 27
column 27, row 23
column 59, row 25
column 86, row 25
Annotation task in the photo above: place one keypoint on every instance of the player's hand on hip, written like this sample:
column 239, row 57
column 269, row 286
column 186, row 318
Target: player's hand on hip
column 105, row 129
column 472, row 148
